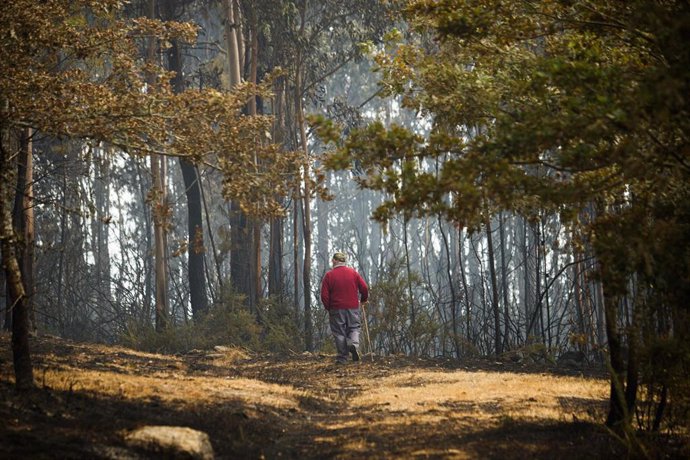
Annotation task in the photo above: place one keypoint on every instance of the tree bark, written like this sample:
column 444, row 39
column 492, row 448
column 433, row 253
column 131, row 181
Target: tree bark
column 322, row 253
column 240, row 232
column 498, row 343
column 18, row 302
column 413, row 313
column 275, row 257
column 537, row 280
column 23, row 220
column 7, row 320
column 159, row 213
column 527, row 287
column 504, row 283
column 101, row 223
column 256, row 224
column 196, row 251
column 451, row 286
column 617, row 406
column 306, row 209
column 465, row 287
column 580, row 297
column 231, row 30
column 306, row 197
column 275, row 264
column 160, row 238
column 296, row 213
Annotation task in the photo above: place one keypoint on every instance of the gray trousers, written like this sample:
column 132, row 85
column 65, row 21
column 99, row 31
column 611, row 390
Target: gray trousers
column 345, row 326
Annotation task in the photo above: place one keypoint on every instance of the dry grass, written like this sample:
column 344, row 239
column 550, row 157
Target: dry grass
column 487, row 394
column 301, row 406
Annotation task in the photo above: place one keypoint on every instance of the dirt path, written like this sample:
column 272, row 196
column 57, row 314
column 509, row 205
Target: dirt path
column 299, row 406
column 402, row 408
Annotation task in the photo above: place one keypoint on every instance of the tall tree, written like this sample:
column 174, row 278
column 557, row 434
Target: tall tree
column 240, row 230
column 196, row 251
column 305, row 195
column 498, row 341
column 255, row 288
column 17, row 298
column 159, row 203
column 23, row 217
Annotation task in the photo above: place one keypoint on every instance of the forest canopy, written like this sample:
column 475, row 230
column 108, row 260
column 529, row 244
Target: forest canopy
column 83, row 70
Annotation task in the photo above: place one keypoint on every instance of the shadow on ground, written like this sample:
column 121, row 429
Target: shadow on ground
column 321, row 422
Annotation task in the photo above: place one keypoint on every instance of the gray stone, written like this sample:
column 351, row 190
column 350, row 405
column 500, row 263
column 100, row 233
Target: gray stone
column 173, row 441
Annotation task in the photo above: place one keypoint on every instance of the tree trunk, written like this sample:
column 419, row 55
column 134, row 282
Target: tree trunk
column 160, row 241
column 101, row 223
column 306, row 223
column 275, row 257
column 61, row 271
column 527, row 288
column 504, row 283
column 239, row 253
column 465, row 288
column 23, row 220
column 18, row 302
column 413, row 314
column 159, row 211
column 306, row 197
column 580, row 298
column 296, row 213
column 149, row 265
column 240, row 233
column 498, row 343
column 614, row 284
column 546, row 306
column 5, row 305
column 196, row 251
column 451, row 286
column 256, row 224
column 322, row 252
column 538, row 314
column 231, row 34
column 617, row 406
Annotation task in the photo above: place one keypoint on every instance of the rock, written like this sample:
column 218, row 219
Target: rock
column 572, row 359
column 173, row 441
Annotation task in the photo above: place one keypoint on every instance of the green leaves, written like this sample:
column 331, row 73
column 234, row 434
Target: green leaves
column 533, row 104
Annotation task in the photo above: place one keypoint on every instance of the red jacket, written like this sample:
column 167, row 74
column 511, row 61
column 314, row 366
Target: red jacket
column 343, row 288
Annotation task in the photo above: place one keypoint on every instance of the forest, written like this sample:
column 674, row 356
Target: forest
column 511, row 179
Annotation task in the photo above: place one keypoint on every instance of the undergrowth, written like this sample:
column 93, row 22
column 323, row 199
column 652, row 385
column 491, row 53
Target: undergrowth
column 273, row 327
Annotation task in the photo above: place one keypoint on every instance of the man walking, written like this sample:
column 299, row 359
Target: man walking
column 342, row 290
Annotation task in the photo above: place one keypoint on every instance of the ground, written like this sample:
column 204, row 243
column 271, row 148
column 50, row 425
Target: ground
column 300, row 405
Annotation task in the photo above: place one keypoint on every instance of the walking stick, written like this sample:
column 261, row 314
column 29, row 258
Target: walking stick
column 366, row 330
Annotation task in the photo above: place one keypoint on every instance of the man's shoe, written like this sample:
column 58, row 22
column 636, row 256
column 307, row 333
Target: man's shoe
column 354, row 352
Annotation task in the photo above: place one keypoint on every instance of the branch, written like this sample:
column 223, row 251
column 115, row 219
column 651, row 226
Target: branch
column 671, row 152
column 328, row 74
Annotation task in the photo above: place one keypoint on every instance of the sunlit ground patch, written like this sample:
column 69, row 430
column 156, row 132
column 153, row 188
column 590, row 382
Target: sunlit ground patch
column 484, row 395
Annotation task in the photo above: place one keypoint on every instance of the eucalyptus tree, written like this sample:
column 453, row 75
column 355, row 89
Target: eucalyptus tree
column 309, row 42
column 72, row 69
column 582, row 105
column 196, row 252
